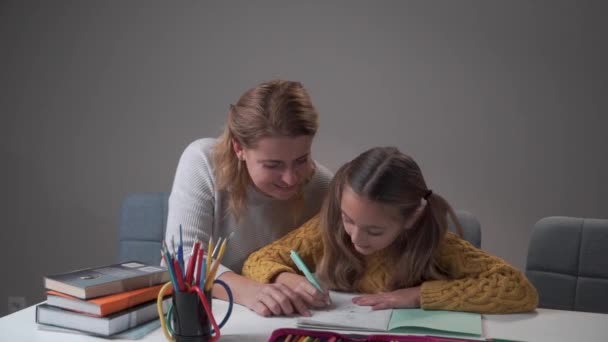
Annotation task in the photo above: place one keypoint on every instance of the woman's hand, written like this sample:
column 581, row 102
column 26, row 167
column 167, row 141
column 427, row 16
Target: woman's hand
column 275, row 300
column 264, row 299
column 402, row 298
column 304, row 289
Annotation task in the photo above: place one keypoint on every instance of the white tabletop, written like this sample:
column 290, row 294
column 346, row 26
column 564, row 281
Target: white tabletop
column 245, row 325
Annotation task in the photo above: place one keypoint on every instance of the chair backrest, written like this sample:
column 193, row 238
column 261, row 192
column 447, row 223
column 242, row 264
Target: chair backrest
column 568, row 263
column 143, row 220
column 470, row 226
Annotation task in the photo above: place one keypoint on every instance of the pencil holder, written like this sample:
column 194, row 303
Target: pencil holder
column 192, row 319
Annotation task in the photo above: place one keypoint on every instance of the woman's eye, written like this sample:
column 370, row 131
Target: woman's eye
column 374, row 233
column 271, row 166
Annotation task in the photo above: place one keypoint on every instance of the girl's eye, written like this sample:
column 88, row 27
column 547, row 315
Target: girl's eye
column 271, row 166
column 375, row 233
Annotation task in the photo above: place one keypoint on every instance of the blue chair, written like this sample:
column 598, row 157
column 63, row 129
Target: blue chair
column 143, row 220
column 470, row 226
column 568, row 263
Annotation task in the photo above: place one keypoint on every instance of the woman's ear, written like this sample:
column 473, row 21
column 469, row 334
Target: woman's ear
column 238, row 149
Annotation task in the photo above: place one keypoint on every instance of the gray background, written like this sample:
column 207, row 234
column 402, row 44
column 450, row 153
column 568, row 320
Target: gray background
column 503, row 104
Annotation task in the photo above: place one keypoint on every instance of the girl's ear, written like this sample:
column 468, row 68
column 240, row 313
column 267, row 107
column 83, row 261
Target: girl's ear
column 411, row 221
column 238, row 148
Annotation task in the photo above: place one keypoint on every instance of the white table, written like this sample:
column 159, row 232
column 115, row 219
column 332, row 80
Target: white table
column 245, row 325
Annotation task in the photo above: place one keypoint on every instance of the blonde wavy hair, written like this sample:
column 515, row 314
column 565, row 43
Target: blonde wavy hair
column 276, row 108
column 386, row 176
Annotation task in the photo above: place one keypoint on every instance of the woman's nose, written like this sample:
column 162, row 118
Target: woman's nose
column 357, row 236
column 289, row 177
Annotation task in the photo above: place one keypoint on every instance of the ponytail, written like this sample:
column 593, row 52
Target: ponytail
column 440, row 209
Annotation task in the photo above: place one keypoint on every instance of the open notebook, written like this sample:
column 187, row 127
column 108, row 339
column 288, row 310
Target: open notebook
column 344, row 315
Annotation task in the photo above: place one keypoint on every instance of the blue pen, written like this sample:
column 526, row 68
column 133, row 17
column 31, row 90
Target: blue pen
column 167, row 257
column 203, row 278
column 311, row 278
column 180, row 250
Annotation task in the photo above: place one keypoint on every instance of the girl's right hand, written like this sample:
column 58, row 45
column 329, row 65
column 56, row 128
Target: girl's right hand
column 304, row 289
column 275, row 300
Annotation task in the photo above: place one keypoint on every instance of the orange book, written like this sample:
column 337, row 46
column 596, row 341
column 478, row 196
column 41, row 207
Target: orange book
column 103, row 306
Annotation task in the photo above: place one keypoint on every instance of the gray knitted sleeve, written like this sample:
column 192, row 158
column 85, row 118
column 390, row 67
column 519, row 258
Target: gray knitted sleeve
column 192, row 201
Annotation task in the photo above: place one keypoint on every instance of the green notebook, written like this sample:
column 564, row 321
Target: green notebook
column 435, row 322
column 344, row 315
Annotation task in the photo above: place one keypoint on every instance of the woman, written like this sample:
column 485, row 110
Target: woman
column 257, row 180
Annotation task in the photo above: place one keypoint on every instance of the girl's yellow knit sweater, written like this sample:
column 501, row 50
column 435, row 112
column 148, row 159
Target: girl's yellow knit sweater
column 479, row 282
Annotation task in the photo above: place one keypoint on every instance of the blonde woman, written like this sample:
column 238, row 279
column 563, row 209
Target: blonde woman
column 258, row 180
column 383, row 233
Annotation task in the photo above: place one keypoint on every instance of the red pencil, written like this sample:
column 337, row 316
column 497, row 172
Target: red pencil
column 191, row 263
column 179, row 276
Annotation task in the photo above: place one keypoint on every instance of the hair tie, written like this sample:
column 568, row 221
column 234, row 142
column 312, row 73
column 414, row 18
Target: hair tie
column 427, row 195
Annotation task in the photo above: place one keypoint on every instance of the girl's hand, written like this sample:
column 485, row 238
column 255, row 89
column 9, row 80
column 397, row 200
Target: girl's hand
column 305, row 290
column 275, row 300
column 402, row 298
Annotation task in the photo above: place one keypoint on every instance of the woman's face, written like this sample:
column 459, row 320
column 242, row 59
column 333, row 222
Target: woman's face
column 370, row 225
column 279, row 166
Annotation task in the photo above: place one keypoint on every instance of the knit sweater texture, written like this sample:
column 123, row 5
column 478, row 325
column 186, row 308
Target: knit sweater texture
column 202, row 210
column 478, row 282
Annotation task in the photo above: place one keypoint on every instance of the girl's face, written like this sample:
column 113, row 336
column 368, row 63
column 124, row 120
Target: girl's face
column 370, row 225
column 278, row 166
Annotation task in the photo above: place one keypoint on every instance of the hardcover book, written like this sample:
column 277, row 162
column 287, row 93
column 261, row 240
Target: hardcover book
column 103, row 306
column 105, row 326
column 101, row 281
column 135, row 333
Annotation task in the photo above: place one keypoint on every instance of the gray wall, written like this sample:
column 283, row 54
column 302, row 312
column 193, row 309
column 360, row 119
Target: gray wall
column 503, row 104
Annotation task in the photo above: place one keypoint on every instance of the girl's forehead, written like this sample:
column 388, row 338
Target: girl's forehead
column 364, row 211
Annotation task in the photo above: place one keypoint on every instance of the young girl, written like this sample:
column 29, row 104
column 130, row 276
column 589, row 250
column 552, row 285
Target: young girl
column 382, row 232
column 258, row 180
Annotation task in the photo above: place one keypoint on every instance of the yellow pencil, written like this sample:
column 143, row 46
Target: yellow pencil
column 209, row 256
column 216, row 264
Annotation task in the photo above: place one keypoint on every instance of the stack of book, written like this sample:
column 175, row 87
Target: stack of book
column 104, row 300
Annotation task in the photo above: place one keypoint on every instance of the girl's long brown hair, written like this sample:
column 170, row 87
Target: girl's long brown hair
column 386, row 176
column 276, row 108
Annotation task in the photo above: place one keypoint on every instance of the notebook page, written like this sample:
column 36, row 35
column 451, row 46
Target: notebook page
column 345, row 315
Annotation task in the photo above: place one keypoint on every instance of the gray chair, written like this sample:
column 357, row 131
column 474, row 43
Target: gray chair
column 143, row 220
column 568, row 263
column 470, row 226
